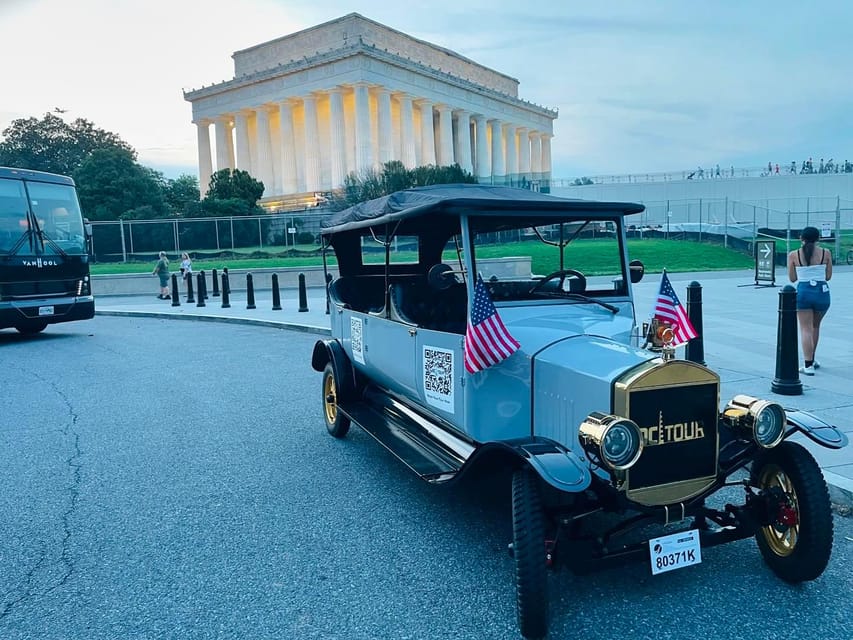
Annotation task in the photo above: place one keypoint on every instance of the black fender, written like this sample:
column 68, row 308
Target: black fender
column 326, row 351
column 556, row 465
column 815, row 429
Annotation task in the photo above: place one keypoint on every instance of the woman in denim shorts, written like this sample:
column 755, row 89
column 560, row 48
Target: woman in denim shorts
column 810, row 267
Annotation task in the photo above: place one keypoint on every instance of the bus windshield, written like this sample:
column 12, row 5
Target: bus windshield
column 40, row 218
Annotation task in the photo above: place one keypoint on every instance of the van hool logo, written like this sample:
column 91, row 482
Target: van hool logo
column 38, row 262
column 668, row 433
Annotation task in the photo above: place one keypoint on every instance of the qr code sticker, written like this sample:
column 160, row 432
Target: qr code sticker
column 356, row 340
column 438, row 377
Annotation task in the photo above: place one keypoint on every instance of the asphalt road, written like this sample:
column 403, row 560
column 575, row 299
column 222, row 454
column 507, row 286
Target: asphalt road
column 164, row 479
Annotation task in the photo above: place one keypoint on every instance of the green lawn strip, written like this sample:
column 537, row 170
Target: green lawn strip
column 586, row 256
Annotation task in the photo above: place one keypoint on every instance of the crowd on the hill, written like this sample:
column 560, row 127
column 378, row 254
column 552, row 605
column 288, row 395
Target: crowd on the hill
column 830, row 166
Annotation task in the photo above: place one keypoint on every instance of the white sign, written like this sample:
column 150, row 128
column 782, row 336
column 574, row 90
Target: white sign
column 46, row 311
column 438, row 377
column 356, row 340
column 675, row 551
column 291, row 229
column 825, row 229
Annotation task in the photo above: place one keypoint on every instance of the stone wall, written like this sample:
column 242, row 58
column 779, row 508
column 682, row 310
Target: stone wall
column 352, row 28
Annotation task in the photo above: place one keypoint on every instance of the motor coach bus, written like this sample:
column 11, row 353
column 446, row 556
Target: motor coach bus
column 44, row 252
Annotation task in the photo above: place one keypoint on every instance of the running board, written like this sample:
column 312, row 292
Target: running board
column 427, row 449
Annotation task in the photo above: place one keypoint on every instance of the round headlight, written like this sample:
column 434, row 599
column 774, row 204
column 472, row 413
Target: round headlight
column 621, row 444
column 769, row 425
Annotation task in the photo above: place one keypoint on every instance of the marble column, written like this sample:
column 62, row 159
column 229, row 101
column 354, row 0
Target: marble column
column 427, row 133
column 244, row 157
column 363, row 143
column 511, row 155
column 312, row 151
column 498, row 159
column 524, row 155
column 205, row 164
column 264, row 169
column 463, row 141
column 385, row 133
column 229, row 141
column 337, row 138
column 536, row 155
column 288, row 148
column 222, row 158
column 546, row 158
column 445, row 136
column 407, row 132
column 483, row 159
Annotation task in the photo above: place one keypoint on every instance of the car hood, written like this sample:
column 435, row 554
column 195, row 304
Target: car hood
column 537, row 327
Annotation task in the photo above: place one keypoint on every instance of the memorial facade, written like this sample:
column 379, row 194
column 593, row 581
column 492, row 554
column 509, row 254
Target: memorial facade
column 348, row 95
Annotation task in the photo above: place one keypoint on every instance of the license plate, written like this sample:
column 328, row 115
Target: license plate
column 46, row 311
column 675, row 551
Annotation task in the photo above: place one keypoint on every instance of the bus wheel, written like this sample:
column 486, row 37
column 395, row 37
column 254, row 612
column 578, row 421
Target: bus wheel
column 31, row 328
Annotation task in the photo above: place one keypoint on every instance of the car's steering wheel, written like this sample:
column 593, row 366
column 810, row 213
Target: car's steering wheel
column 561, row 275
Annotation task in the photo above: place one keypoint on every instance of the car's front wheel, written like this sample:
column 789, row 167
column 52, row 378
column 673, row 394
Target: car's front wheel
column 797, row 543
column 336, row 422
column 529, row 552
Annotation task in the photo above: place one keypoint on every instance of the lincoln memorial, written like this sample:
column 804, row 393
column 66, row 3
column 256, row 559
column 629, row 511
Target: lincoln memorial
column 305, row 110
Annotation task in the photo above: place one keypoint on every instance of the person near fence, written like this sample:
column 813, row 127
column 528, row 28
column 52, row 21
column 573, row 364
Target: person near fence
column 186, row 266
column 810, row 267
column 162, row 271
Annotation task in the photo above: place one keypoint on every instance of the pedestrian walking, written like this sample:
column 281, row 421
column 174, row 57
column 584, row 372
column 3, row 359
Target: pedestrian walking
column 810, row 267
column 162, row 271
column 186, row 266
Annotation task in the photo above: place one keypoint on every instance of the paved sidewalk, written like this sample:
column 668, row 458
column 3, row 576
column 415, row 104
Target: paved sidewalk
column 739, row 326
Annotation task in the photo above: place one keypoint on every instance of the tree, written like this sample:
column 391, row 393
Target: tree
column 226, row 184
column 51, row 144
column 112, row 185
column 393, row 177
column 182, row 196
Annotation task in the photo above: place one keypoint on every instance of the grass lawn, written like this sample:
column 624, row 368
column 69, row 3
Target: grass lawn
column 656, row 254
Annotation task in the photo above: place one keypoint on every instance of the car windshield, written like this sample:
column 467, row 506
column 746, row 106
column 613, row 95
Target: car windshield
column 565, row 259
column 47, row 223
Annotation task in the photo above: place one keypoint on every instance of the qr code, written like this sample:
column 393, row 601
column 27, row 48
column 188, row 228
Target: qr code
column 438, row 371
column 355, row 336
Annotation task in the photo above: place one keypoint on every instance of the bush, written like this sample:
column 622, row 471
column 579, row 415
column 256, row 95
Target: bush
column 304, row 237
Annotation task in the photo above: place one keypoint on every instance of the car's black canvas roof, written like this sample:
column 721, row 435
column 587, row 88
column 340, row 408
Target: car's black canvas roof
column 476, row 199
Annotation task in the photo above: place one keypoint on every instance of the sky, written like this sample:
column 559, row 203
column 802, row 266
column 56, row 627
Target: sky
column 641, row 87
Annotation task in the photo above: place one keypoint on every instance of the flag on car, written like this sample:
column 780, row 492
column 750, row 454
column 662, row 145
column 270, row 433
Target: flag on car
column 487, row 340
column 668, row 309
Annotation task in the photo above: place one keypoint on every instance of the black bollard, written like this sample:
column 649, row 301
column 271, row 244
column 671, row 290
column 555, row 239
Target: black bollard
column 201, row 288
column 276, row 295
column 695, row 350
column 787, row 381
column 303, row 295
column 226, row 291
column 175, row 301
column 202, row 281
column 250, row 292
column 328, row 282
column 190, row 297
column 215, row 284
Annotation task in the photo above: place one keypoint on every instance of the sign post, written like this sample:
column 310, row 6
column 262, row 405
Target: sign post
column 765, row 263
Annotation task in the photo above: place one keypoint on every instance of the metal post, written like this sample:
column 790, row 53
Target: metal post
column 177, row 236
column 216, row 224
column 175, row 300
column 837, row 228
column 754, row 228
column 260, row 235
column 788, row 234
column 231, row 220
column 276, row 294
column 695, row 350
column 303, row 294
column 700, row 219
column 726, row 224
column 201, row 289
column 250, row 292
column 130, row 236
column 123, row 248
column 787, row 381
column 190, row 296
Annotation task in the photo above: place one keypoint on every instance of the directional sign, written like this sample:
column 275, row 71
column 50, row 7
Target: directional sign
column 765, row 261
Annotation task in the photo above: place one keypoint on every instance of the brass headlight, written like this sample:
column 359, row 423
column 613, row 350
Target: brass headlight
column 765, row 420
column 614, row 440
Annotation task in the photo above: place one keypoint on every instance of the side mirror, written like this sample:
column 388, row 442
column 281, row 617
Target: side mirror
column 636, row 270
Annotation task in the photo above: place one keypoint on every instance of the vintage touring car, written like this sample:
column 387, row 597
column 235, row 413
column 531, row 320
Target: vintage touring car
column 477, row 328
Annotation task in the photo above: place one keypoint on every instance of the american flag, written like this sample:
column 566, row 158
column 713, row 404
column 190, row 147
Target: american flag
column 487, row 340
column 668, row 309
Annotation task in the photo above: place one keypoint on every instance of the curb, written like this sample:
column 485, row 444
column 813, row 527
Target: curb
column 275, row 324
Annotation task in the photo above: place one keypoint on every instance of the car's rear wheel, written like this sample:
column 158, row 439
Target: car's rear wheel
column 336, row 422
column 31, row 328
column 529, row 552
column 797, row 543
